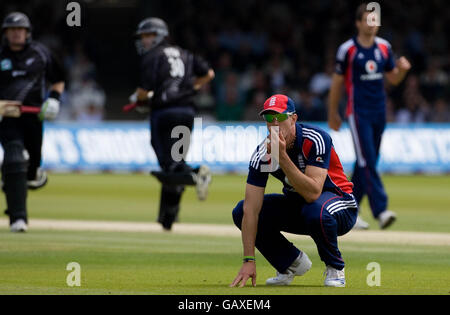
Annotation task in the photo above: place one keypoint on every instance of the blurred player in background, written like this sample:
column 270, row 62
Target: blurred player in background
column 317, row 199
column 27, row 69
column 170, row 77
column 362, row 63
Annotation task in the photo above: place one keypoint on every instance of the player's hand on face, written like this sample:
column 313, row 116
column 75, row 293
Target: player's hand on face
column 247, row 271
column 276, row 138
column 281, row 142
column 335, row 121
column 403, row 64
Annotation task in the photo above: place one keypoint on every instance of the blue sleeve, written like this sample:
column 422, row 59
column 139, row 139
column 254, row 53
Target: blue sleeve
column 320, row 150
column 257, row 178
column 390, row 62
column 341, row 63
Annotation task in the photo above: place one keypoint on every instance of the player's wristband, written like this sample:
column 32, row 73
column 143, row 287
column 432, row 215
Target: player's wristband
column 54, row 94
column 249, row 258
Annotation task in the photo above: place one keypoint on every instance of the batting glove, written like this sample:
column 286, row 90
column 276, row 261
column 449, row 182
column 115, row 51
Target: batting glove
column 133, row 98
column 50, row 109
column 142, row 107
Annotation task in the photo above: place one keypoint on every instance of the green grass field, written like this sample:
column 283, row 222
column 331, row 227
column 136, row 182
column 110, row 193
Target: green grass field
column 163, row 263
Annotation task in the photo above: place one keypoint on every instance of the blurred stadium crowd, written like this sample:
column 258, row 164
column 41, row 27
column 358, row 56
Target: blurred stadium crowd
column 262, row 47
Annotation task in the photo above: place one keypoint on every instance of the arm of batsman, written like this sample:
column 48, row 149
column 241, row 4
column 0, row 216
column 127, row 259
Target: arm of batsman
column 201, row 81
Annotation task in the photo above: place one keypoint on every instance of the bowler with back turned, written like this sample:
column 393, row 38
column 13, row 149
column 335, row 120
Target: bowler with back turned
column 317, row 199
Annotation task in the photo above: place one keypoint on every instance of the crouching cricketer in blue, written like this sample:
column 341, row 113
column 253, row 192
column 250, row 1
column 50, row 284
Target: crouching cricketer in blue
column 317, row 199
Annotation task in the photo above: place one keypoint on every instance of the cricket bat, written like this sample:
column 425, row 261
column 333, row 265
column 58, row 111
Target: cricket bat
column 128, row 108
column 16, row 109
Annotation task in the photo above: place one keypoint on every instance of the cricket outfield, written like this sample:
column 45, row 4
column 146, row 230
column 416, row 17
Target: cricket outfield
column 105, row 223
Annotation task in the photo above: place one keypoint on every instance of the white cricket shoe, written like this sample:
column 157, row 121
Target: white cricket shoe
column 361, row 224
column 203, row 179
column 386, row 218
column 334, row 277
column 19, row 226
column 298, row 268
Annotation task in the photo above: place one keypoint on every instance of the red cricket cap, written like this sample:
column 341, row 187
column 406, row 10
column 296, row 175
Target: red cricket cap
column 279, row 103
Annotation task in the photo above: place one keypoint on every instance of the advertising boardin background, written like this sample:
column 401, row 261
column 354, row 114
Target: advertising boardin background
column 227, row 147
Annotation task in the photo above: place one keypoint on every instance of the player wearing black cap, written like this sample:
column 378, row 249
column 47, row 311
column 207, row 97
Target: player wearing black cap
column 29, row 75
column 170, row 77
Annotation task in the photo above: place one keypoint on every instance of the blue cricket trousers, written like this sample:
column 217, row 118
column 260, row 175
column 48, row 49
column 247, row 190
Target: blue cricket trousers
column 324, row 220
column 367, row 132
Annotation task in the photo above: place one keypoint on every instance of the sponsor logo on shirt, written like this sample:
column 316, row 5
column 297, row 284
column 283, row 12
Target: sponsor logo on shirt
column 18, row 73
column 6, row 65
column 372, row 74
column 371, row 66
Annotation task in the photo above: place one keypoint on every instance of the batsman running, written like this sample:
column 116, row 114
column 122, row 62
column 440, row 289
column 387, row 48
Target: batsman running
column 32, row 79
column 170, row 77
column 317, row 199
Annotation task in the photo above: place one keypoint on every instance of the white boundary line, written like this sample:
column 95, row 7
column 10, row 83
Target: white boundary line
column 385, row 237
